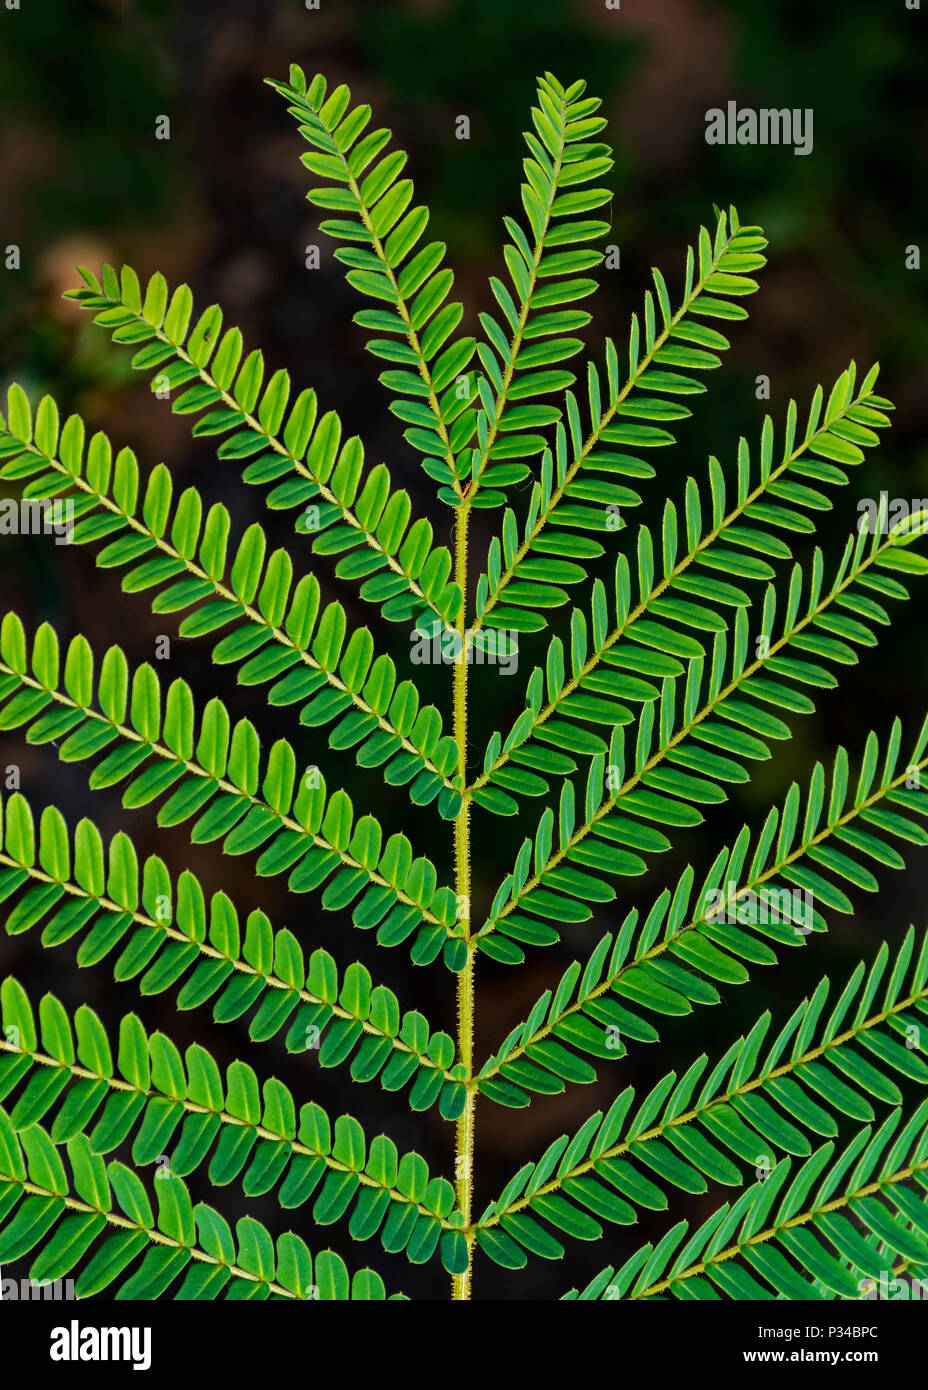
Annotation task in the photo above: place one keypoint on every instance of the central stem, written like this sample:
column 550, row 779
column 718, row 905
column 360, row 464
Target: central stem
column 464, row 1138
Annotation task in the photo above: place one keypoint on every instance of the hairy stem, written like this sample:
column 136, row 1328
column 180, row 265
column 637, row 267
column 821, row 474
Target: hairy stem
column 464, row 1137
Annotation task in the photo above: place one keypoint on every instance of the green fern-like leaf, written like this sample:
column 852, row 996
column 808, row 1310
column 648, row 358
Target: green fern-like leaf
column 651, row 701
column 746, row 1109
column 751, row 1249
column 286, row 637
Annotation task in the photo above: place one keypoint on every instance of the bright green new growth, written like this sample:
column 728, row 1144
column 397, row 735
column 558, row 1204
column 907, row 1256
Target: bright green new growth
column 658, row 690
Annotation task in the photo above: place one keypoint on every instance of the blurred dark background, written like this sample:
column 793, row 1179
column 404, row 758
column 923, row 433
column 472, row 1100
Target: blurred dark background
column 221, row 205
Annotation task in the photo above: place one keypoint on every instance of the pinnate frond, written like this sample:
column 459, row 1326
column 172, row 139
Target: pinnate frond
column 751, row 1251
column 819, row 1067
column 526, row 573
column 167, row 934
column 435, row 393
column 632, row 799
column 300, row 453
column 215, row 771
column 107, row 1204
column 690, row 943
column 523, row 357
column 182, row 1107
column 614, row 658
column 658, row 693
column 283, row 633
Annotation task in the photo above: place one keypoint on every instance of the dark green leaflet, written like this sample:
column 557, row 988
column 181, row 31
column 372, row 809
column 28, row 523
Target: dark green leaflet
column 748, row 1106
column 768, row 1243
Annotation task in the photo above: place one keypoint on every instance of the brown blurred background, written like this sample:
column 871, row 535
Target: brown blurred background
column 221, row 205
